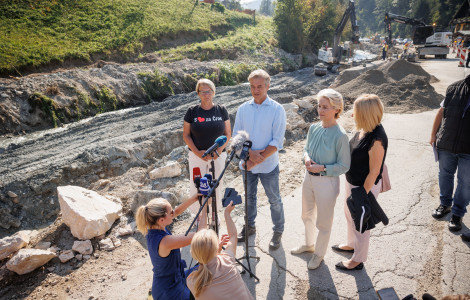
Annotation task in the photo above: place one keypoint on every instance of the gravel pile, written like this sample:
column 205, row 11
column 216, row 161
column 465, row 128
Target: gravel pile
column 402, row 86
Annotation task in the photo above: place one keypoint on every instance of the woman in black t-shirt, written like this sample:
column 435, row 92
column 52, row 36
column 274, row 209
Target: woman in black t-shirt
column 203, row 124
column 368, row 150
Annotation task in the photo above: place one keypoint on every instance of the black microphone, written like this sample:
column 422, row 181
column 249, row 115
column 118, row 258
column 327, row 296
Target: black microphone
column 244, row 155
column 236, row 144
column 219, row 142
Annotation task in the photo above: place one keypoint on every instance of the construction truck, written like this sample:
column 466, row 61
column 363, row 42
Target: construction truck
column 333, row 55
column 427, row 40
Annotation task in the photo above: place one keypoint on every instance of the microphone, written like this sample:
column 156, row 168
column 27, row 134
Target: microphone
column 219, row 142
column 204, row 187
column 197, row 180
column 236, row 144
column 196, row 174
column 244, row 155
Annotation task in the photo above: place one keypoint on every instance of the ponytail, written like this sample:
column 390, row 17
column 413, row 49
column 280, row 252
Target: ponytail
column 148, row 215
column 201, row 279
column 204, row 246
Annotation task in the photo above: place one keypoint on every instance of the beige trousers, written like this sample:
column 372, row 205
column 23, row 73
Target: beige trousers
column 358, row 241
column 195, row 162
column 319, row 195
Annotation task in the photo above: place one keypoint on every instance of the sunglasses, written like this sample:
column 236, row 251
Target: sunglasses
column 206, row 92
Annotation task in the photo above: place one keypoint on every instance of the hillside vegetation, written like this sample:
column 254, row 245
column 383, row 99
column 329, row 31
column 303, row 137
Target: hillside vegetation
column 38, row 32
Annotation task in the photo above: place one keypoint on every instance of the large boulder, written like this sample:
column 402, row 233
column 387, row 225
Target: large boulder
column 27, row 260
column 11, row 244
column 87, row 213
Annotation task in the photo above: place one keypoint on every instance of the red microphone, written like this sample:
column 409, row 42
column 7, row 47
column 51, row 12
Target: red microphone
column 197, row 180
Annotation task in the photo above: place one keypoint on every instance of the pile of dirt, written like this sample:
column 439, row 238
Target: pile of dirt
column 403, row 87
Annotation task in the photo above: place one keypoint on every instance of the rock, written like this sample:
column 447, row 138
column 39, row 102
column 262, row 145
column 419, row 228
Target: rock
column 173, row 169
column 86, row 257
column 79, row 257
column 12, row 195
column 11, row 244
column 27, row 260
column 83, row 247
column 51, row 269
column 295, row 121
column 126, row 230
column 290, row 106
column 87, row 213
column 116, row 242
column 107, row 244
column 54, row 249
column 304, row 104
column 4, row 95
column 66, row 255
column 44, row 246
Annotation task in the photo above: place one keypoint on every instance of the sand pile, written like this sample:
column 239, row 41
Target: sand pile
column 402, row 86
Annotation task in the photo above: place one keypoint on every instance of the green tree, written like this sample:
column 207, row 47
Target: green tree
column 232, row 4
column 266, row 8
column 304, row 24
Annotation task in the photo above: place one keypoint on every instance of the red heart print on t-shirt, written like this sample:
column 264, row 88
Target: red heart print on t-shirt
column 201, row 119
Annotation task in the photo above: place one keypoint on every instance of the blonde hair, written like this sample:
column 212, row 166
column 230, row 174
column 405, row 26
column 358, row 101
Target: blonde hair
column 260, row 74
column 368, row 112
column 149, row 214
column 207, row 82
column 335, row 98
column 204, row 246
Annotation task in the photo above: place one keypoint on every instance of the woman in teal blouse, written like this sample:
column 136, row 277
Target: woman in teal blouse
column 326, row 156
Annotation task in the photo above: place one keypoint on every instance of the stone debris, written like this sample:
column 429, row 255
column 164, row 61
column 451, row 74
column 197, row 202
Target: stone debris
column 79, row 257
column 54, row 249
column 66, row 255
column 294, row 120
column 12, row 195
column 303, row 104
column 87, row 213
column 83, row 247
column 107, row 244
column 27, row 260
column 172, row 169
column 43, row 246
column 51, row 269
column 126, row 230
column 11, row 244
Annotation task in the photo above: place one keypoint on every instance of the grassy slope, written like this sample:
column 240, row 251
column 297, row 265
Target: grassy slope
column 36, row 32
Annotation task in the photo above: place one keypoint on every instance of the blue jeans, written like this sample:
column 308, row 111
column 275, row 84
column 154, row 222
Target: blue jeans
column 270, row 182
column 449, row 163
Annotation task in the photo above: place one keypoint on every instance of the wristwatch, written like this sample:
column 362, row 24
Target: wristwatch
column 324, row 168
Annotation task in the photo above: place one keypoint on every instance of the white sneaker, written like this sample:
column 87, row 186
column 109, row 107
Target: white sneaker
column 315, row 262
column 302, row 249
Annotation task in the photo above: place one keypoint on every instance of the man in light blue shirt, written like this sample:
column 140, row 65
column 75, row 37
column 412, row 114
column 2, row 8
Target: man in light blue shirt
column 265, row 121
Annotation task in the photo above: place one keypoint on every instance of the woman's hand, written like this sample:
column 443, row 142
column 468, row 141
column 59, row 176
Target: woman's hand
column 315, row 168
column 200, row 153
column 224, row 239
column 229, row 208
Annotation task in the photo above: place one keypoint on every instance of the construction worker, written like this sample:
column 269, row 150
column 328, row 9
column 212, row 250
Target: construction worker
column 384, row 50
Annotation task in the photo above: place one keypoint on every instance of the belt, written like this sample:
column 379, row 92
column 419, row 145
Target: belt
column 315, row 174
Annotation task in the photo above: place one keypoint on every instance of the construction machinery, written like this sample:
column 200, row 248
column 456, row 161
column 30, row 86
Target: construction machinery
column 333, row 55
column 427, row 39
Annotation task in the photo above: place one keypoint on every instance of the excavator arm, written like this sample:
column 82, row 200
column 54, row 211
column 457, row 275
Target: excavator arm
column 350, row 13
column 389, row 18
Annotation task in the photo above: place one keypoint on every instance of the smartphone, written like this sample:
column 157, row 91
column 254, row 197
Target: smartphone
column 236, row 200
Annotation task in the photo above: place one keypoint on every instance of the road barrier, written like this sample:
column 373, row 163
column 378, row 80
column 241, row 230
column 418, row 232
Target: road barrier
column 462, row 57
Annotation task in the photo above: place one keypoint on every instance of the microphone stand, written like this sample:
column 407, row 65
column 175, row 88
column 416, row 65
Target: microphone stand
column 247, row 254
column 216, row 184
column 214, row 197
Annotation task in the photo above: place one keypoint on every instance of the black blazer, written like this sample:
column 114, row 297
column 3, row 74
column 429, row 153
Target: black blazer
column 365, row 210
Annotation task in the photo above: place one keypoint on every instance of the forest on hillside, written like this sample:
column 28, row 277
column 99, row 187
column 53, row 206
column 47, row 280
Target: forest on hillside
column 370, row 14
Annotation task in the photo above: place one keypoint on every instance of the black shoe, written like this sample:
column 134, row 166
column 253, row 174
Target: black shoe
column 441, row 211
column 466, row 237
column 455, row 223
column 337, row 248
column 343, row 267
column 241, row 235
column 276, row 240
